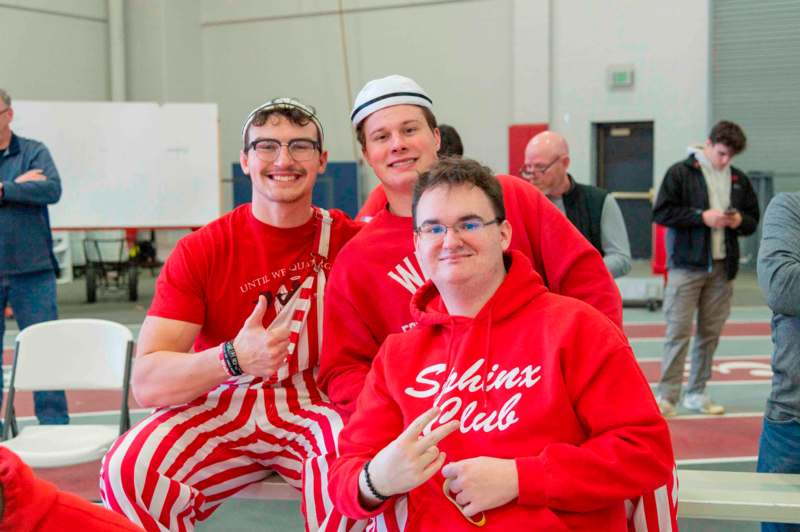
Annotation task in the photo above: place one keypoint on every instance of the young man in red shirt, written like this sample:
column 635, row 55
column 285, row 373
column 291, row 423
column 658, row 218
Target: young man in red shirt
column 377, row 273
column 505, row 400
column 229, row 350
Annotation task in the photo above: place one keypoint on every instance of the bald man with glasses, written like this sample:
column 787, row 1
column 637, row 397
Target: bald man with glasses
column 591, row 209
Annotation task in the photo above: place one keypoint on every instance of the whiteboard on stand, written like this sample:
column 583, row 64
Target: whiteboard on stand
column 128, row 164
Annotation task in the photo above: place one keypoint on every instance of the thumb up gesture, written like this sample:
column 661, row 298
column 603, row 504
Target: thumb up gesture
column 260, row 351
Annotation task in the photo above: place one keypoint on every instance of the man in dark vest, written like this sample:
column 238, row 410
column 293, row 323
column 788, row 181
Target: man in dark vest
column 591, row 209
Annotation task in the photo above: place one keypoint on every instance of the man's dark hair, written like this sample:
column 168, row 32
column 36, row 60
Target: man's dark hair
column 729, row 134
column 294, row 116
column 451, row 142
column 429, row 118
column 457, row 171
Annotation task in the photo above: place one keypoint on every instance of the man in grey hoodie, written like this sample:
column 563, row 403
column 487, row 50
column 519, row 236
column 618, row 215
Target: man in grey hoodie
column 706, row 205
column 779, row 279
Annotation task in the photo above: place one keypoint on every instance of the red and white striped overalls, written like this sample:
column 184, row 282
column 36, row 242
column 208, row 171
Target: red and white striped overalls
column 181, row 462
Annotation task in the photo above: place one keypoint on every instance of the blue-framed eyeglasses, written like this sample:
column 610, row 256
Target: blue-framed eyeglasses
column 436, row 231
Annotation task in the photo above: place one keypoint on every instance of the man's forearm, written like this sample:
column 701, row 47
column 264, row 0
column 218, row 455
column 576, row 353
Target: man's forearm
column 165, row 378
column 32, row 192
column 614, row 239
column 779, row 255
column 617, row 264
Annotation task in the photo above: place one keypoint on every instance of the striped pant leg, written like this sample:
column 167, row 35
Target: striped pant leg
column 302, row 413
column 655, row 511
column 393, row 519
column 177, row 466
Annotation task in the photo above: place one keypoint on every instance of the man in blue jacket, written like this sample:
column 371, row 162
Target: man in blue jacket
column 706, row 205
column 28, row 183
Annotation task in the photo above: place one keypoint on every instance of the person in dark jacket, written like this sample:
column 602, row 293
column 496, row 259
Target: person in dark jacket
column 592, row 210
column 706, row 204
column 29, row 182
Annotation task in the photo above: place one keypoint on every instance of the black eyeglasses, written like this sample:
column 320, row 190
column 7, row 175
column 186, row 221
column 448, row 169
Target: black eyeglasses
column 433, row 231
column 527, row 171
column 299, row 149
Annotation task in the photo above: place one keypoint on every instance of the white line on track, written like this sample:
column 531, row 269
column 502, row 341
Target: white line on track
column 696, row 417
column 728, row 460
column 729, row 383
column 660, row 339
column 662, row 322
column 720, row 357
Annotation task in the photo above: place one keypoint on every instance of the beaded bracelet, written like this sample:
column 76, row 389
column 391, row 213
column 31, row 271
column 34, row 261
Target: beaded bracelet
column 369, row 483
column 223, row 362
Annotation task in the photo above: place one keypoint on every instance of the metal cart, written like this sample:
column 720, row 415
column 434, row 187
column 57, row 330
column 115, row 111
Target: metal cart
column 109, row 268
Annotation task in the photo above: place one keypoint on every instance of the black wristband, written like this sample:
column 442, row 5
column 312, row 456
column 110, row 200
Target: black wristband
column 231, row 360
column 369, row 483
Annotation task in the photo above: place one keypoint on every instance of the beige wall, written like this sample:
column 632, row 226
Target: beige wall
column 667, row 43
column 486, row 63
column 54, row 50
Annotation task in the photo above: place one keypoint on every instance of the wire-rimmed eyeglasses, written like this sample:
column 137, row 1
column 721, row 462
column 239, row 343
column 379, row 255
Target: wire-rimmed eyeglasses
column 436, row 231
column 299, row 149
column 527, row 171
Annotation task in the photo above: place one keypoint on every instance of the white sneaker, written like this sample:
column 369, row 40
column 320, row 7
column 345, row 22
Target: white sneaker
column 701, row 402
column 666, row 407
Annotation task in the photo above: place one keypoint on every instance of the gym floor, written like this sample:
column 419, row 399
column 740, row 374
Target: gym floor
column 740, row 381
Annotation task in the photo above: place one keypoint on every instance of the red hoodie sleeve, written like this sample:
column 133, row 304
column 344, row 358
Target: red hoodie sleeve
column 32, row 504
column 615, row 405
column 567, row 262
column 348, row 345
column 376, row 422
column 376, row 201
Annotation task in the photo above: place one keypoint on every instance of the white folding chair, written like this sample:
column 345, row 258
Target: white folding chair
column 79, row 354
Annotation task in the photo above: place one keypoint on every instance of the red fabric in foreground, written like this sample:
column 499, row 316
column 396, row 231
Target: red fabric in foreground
column 32, row 504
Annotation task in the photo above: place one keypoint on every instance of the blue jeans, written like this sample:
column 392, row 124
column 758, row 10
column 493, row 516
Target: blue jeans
column 32, row 296
column 779, row 452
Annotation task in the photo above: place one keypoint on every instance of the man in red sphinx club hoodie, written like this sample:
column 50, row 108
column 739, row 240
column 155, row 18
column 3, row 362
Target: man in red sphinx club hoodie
column 507, row 406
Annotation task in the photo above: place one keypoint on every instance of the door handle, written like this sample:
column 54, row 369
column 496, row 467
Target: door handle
column 648, row 195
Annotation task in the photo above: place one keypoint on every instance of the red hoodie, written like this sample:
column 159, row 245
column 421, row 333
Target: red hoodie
column 537, row 377
column 34, row 505
column 376, row 273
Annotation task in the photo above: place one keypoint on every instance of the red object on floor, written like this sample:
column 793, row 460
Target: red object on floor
column 518, row 137
column 8, row 313
column 658, row 263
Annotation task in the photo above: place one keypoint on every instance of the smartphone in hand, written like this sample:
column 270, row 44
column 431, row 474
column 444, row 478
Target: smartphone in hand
column 730, row 211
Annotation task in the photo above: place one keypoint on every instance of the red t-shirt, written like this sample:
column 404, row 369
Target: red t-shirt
column 376, row 202
column 215, row 275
